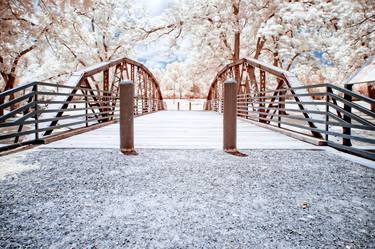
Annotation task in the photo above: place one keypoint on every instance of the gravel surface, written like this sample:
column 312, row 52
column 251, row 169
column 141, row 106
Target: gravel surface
column 95, row 198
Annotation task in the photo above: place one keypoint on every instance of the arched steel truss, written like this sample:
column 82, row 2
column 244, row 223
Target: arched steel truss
column 260, row 88
column 337, row 116
column 101, row 83
column 89, row 99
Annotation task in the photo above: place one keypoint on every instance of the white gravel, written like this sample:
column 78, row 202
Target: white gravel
column 95, row 198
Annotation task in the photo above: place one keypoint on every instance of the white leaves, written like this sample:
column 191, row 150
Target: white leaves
column 193, row 35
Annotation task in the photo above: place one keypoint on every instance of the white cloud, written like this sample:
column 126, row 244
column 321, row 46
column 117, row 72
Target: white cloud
column 157, row 54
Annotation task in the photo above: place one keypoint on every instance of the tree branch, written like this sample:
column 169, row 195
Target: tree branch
column 114, row 51
column 292, row 60
column 19, row 56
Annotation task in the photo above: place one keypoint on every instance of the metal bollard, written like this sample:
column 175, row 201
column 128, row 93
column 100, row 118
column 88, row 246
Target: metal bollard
column 178, row 106
column 230, row 116
column 189, row 106
column 127, row 117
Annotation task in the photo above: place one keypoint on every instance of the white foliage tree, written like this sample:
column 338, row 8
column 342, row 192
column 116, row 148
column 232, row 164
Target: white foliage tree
column 22, row 27
column 287, row 34
column 88, row 35
column 63, row 36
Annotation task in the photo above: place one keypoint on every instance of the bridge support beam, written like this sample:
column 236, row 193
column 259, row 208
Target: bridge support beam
column 230, row 116
column 127, row 117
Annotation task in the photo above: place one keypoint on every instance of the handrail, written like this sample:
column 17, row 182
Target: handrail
column 31, row 117
column 249, row 67
column 353, row 94
column 16, row 89
column 358, row 83
column 323, row 109
column 122, row 69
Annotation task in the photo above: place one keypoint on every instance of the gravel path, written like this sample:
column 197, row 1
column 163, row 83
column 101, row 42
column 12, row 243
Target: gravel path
column 95, row 198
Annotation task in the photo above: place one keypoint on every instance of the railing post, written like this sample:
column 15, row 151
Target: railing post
column 127, row 117
column 371, row 94
column 222, row 106
column 142, row 104
column 86, row 109
column 282, row 101
column 248, row 100
column 348, row 108
column 262, row 98
column 136, row 106
column 279, row 106
column 36, row 112
column 327, row 113
column 230, row 116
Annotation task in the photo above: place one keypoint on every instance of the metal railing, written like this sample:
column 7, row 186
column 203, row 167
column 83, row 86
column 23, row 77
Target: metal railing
column 35, row 112
column 338, row 116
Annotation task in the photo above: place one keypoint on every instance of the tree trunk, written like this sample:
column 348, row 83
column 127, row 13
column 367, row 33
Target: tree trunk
column 10, row 82
column 236, row 56
column 237, row 37
column 371, row 94
column 258, row 50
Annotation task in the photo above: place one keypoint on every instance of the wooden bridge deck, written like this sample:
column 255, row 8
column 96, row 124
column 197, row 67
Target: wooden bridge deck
column 183, row 130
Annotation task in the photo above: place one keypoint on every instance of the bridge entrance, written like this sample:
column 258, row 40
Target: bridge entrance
column 41, row 112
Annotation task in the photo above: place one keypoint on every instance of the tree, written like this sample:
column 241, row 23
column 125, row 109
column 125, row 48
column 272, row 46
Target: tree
column 287, row 34
column 62, row 37
column 21, row 30
column 101, row 32
column 173, row 81
column 195, row 91
column 348, row 37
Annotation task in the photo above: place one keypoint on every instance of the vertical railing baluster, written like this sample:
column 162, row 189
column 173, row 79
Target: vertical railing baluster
column 327, row 112
column 36, row 119
column 279, row 99
column 248, row 100
column 86, row 109
column 347, row 119
column 262, row 100
column 136, row 106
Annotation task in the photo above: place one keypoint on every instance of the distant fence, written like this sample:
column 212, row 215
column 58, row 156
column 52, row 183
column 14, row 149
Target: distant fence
column 338, row 116
column 35, row 112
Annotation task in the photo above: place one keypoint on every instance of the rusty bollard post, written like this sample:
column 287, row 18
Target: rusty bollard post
column 127, row 117
column 230, row 116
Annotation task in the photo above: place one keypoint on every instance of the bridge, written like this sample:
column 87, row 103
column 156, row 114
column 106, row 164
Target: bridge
column 298, row 162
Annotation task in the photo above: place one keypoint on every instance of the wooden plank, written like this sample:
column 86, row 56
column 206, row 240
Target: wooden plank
column 183, row 130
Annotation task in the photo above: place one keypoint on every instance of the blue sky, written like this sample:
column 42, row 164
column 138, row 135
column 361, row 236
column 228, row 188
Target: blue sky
column 319, row 55
column 158, row 54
